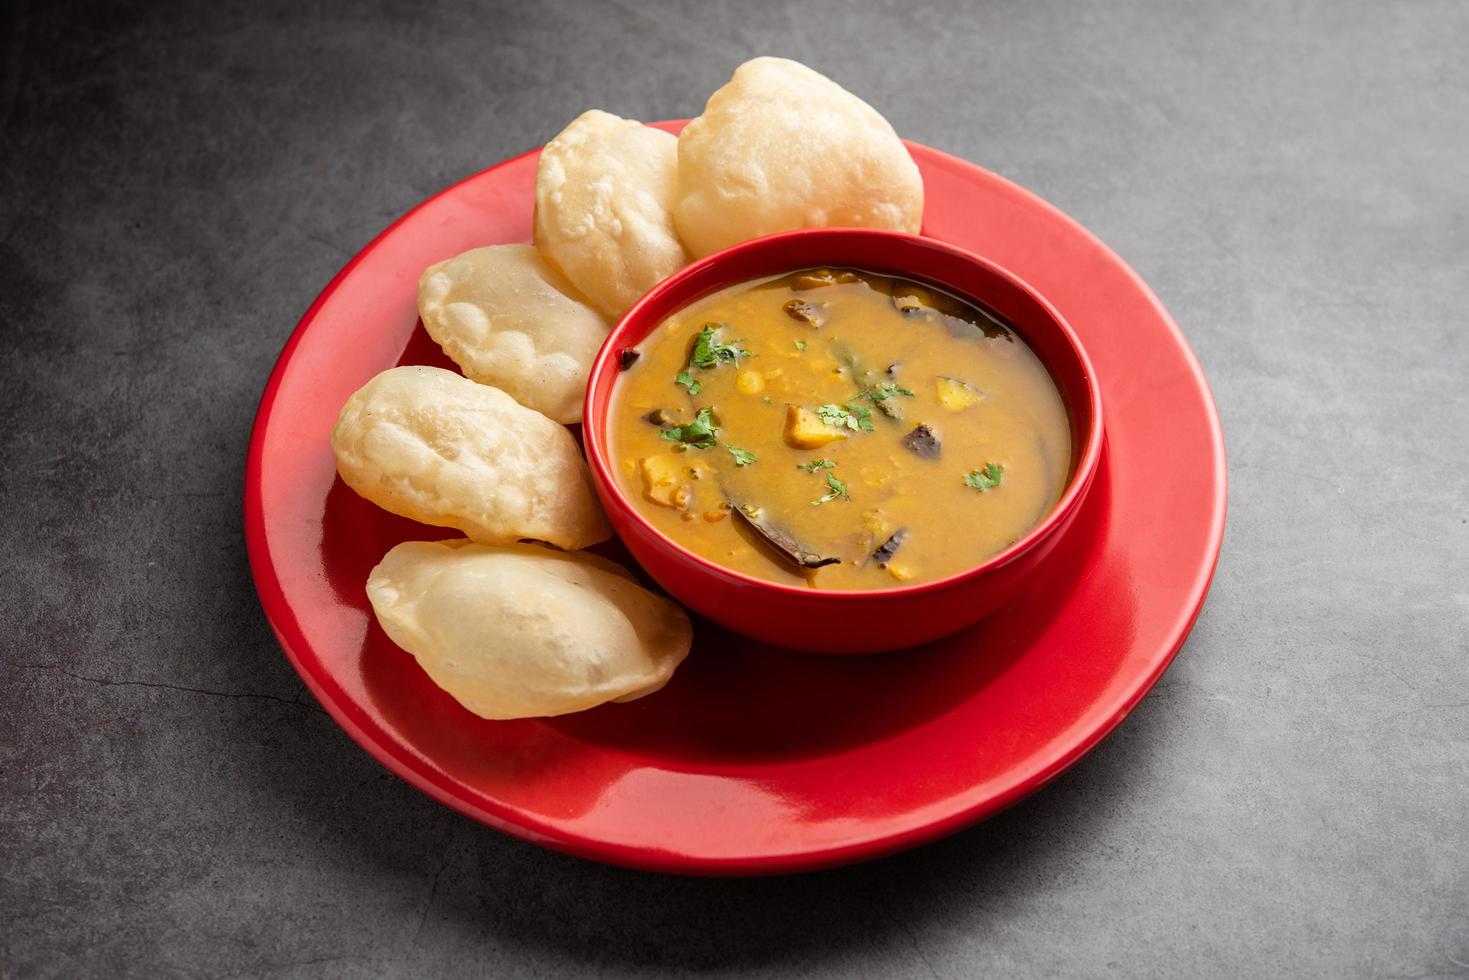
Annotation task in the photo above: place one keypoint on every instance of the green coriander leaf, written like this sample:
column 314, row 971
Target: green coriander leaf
column 742, row 457
column 882, row 392
column 986, row 478
column 880, row 395
column 833, row 415
column 800, row 345
column 849, row 416
column 703, row 423
column 838, row 491
column 888, row 391
column 709, row 351
column 687, row 380
column 816, row 464
column 698, row 434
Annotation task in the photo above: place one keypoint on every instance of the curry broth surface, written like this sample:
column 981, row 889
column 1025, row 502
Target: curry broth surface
column 1001, row 407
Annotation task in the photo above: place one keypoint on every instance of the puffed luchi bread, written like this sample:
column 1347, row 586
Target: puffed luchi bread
column 510, row 320
column 441, row 449
column 524, row 631
column 782, row 147
column 604, row 190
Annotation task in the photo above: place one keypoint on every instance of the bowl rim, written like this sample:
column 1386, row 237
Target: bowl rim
column 608, row 358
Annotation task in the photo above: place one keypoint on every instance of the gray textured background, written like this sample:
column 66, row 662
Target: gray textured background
column 178, row 181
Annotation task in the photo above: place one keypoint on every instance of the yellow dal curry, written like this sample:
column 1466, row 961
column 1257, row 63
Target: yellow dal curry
column 839, row 428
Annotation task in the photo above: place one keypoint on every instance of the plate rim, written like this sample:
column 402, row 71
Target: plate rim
column 292, row 638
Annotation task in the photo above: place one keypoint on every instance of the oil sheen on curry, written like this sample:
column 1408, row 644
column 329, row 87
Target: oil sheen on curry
column 839, row 429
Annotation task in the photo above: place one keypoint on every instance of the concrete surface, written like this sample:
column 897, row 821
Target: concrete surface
column 180, row 179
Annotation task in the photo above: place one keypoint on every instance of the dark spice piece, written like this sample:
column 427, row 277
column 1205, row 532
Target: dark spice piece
column 627, row 357
column 799, row 309
column 922, row 442
column 659, row 418
column 888, row 548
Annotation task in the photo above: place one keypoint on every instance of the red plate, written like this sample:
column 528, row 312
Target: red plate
column 755, row 760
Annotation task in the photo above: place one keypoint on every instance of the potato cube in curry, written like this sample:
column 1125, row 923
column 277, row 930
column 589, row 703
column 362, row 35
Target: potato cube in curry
column 956, row 395
column 667, row 478
column 805, row 429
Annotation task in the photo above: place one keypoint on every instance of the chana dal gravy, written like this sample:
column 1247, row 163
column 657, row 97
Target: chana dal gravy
column 841, row 429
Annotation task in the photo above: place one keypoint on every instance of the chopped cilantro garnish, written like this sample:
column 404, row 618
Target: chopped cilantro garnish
column 800, row 345
column 833, row 415
column 881, row 393
column 708, row 352
column 742, row 457
column 816, row 464
column 986, row 478
column 687, row 380
column 698, row 434
column 853, row 417
column 838, row 490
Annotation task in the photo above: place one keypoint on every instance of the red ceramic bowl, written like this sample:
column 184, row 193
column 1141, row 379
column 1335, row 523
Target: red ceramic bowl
column 835, row 621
